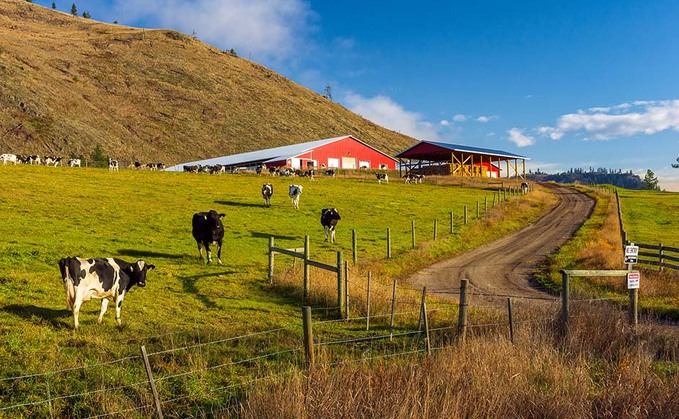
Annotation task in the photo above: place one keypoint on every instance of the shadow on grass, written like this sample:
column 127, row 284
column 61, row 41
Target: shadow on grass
column 189, row 284
column 28, row 312
column 240, row 204
column 146, row 253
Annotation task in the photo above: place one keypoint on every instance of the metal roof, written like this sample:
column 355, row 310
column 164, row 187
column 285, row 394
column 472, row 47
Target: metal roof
column 261, row 156
column 464, row 149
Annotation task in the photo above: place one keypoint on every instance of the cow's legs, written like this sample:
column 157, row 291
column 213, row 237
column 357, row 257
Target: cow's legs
column 219, row 252
column 332, row 235
column 119, row 306
column 104, row 306
column 200, row 252
column 326, row 228
column 76, row 309
column 208, row 252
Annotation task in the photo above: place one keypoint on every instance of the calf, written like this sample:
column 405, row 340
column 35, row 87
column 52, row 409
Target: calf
column 12, row 158
column 109, row 279
column 329, row 219
column 267, row 191
column 382, row 177
column 208, row 229
column 112, row 165
column 74, row 163
column 294, row 192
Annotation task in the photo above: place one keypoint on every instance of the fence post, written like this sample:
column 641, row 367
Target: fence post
column 565, row 300
column 354, row 252
column 466, row 217
column 462, row 315
column 346, row 287
column 393, row 308
column 436, row 228
column 478, row 212
column 149, row 374
column 308, row 337
column 388, row 243
column 270, row 261
column 412, row 232
column 485, row 204
column 660, row 257
column 49, row 397
column 423, row 316
column 451, row 223
column 511, row 319
column 340, row 287
column 307, row 282
column 367, row 309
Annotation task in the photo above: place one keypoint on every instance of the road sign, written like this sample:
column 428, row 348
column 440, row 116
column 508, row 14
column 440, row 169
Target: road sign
column 633, row 280
column 631, row 253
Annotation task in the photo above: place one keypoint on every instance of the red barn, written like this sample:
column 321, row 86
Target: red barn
column 346, row 152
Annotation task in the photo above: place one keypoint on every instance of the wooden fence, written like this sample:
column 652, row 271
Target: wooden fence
column 658, row 255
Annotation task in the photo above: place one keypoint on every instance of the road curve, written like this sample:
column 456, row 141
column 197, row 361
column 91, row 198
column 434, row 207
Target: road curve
column 503, row 267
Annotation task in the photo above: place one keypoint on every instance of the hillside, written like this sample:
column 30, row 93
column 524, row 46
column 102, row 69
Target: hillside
column 68, row 84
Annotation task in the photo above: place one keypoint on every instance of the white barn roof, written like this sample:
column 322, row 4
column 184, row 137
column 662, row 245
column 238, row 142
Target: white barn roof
column 264, row 156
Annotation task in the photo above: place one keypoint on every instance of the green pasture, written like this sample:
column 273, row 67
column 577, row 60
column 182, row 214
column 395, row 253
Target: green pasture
column 50, row 213
column 650, row 217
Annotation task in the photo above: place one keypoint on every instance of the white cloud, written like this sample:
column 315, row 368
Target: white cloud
column 444, row 123
column 517, row 137
column 624, row 120
column 483, row 119
column 265, row 29
column 459, row 118
column 384, row 111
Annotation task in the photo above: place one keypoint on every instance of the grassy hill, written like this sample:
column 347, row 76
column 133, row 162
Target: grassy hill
column 68, row 84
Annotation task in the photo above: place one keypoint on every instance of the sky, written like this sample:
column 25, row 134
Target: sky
column 568, row 84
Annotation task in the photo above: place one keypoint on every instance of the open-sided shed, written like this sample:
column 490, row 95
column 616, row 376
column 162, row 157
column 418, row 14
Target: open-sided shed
column 429, row 157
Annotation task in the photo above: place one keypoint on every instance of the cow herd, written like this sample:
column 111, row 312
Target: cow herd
column 37, row 160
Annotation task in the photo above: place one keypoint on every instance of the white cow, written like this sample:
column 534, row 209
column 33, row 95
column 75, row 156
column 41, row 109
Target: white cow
column 74, row 163
column 12, row 158
column 294, row 192
column 267, row 192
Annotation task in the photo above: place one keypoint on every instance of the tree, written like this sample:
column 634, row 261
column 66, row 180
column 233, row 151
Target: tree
column 74, row 10
column 54, row 5
column 328, row 92
column 676, row 165
column 99, row 159
column 87, row 15
column 650, row 181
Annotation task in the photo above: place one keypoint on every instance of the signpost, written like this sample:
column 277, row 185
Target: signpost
column 631, row 253
column 633, row 280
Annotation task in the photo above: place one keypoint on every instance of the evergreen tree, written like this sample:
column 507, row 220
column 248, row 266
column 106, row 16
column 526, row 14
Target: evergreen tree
column 99, row 159
column 54, row 5
column 87, row 15
column 74, row 10
column 650, row 181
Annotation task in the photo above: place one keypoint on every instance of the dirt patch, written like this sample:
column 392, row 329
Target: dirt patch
column 504, row 266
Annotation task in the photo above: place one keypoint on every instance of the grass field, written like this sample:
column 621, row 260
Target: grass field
column 50, row 213
column 650, row 216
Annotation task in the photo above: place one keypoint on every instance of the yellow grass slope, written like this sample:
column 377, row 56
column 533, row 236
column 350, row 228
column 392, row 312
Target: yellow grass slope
column 68, row 84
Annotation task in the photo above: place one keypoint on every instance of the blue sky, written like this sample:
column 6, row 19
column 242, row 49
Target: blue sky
column 565, row 83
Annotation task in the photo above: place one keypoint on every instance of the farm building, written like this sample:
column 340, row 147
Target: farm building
column 428, row 157
column 344, row 152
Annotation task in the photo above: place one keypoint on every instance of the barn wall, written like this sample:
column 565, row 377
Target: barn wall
column 347, row 149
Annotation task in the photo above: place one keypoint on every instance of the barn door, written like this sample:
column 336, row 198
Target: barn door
column 348, row 162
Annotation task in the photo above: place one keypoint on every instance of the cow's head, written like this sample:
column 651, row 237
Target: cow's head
column 138, row 272
column 214, row 220
column 330, row 214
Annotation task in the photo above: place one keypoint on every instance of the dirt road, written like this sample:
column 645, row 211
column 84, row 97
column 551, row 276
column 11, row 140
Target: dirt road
column 504, row 266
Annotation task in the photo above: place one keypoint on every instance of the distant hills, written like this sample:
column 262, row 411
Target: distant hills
column 69, row 84
column 600, row 176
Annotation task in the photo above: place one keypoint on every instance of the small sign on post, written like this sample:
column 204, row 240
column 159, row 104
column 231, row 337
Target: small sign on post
column 631, row 253
column 633, row 280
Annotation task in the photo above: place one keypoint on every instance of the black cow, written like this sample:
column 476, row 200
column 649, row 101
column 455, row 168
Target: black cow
column 267, row 192
column 208, row 229
column 329, row 219
column 109, row 279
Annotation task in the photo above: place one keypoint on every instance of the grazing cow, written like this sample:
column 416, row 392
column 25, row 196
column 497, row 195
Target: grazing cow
column 51, row 161
column 208, row 229
column 109, row 279
column 151, row 166
column 112, row 165
column 217, row 169
column 12, row 158
column 329, row 219
column 524, row 187
column 382, row 177
column 267, row 191
column 74, row 163
column 294, row 192
column 194, row 168
column 414, row 178
column 260, row 168
column 34, row 159
column 330, row 172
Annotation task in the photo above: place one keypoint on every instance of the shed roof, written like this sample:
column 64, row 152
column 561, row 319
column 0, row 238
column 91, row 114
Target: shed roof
column 269, row 155
column 437, row 151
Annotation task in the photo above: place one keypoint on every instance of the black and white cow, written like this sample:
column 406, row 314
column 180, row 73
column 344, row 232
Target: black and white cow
column 329, row 219
column 74, row 163
column 331, row 172
column 34, row 160
column 267, row 192
column 208, row 229
column 294, row 193
column 112, row 165
column 414, row 178
column 382, row 177
column 524, row 187
column 109, row 279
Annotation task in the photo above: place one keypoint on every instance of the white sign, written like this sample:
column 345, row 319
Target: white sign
column 633, row 280
column 631, row 253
